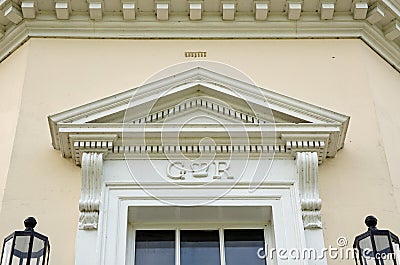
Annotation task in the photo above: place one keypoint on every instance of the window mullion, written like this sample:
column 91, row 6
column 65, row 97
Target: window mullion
column 222, row 246
column 177, row 247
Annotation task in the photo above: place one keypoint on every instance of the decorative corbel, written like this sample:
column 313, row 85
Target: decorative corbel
column 307, row 170
column 89, row 204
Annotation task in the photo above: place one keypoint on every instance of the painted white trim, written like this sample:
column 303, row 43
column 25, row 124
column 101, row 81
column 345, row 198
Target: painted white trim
column 282, row 192
column 307, row 171
column 81, row 129
column 177, row 246
column 89, row 204
column 187, row 79
column 286, row 215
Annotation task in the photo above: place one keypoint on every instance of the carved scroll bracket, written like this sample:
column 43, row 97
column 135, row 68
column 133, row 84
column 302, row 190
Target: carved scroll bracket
column 307, row 170
column 89, row 204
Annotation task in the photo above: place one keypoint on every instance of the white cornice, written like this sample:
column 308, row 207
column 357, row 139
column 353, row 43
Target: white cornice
column 336, row 28
column 211, row 25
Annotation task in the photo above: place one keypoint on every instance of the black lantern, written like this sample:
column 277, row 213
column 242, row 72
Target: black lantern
column 26, row 247
column 376, row 247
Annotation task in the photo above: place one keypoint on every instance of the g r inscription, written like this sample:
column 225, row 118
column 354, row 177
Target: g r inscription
column 181, row 170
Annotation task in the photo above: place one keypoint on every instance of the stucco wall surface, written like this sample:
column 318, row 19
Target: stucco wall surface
column 53, row 75
column 12, row 76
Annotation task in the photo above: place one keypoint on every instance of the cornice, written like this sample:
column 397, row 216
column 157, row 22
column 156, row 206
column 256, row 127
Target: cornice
column 284, row 146
column 24, row 24
column 388, row 50
column 117, row 141
column 344, row 29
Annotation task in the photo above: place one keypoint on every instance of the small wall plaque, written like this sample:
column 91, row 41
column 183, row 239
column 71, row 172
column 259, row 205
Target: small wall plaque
column 195, row 54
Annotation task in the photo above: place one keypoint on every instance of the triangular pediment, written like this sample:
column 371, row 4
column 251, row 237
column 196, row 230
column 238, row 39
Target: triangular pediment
column 201, row 102
column 198, row 109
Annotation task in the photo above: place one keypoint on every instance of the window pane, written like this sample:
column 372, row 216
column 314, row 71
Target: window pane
column 241, row 246
column 200, row 247
column 155, row 247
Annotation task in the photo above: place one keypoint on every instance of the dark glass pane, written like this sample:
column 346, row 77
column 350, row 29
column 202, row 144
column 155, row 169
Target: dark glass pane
column 241, row 246
column 384, row 252
column 200, row 247
column 154, row 247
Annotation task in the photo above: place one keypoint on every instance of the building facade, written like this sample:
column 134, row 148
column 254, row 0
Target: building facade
column 273, row 122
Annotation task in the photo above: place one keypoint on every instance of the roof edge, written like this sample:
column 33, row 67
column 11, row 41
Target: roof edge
column 342, row 27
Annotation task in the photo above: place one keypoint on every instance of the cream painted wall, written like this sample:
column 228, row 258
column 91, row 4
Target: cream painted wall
column 341, row 75
column 12, row 75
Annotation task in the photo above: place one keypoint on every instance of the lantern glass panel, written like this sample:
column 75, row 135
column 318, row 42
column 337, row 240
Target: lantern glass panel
column 366, row 251
column 383, row 249
column 37, row 252
column 7, row 252
column 21, row 248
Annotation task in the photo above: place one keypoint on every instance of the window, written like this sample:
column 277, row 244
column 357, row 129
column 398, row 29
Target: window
column 198, row 247
column 241, row 246
column 153, row 246
column 198, row 235
column 272, row 209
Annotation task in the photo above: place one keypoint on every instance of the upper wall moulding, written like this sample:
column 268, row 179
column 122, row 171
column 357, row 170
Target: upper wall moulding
column 375, row 22
column 194, row 112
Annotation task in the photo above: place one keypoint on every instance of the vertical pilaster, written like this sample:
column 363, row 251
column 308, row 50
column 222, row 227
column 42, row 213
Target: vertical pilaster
column 89, row 204
column 307, row 170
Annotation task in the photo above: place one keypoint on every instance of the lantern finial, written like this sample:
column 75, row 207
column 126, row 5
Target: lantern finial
column 371, row 222
column 30, row 223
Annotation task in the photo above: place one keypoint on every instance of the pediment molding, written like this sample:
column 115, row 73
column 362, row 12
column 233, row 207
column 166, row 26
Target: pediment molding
column 246, row 126
column 192, row 79
column 202, row 103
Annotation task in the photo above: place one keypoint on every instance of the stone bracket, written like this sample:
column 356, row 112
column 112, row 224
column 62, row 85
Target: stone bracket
column 307, row 170
column 89, row 204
